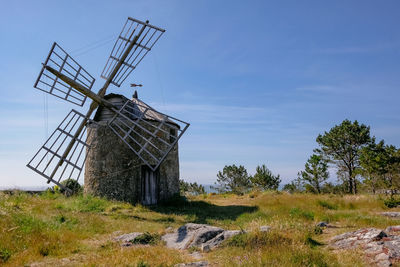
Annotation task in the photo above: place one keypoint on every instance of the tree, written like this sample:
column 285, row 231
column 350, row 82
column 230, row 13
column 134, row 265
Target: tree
column 342, row 145
column 295, row 186
column 191, row 188
column 264, row 179
column 374, row 160
column 315, row 172
column 233, row 179
column 392, row 174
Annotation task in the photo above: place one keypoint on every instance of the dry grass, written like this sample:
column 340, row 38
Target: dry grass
column 50, row 229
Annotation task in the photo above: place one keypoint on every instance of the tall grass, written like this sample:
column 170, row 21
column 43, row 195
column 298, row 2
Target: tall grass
column 49, row 227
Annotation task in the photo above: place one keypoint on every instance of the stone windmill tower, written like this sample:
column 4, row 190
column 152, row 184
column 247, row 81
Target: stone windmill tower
column 130, row 149
column 114, row 171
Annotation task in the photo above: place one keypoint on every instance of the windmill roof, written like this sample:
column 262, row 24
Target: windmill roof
column 139, row 108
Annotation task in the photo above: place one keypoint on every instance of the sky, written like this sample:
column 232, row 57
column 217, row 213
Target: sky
column 257, row 80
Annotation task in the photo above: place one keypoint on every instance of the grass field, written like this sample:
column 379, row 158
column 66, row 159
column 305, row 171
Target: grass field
column 50, row 229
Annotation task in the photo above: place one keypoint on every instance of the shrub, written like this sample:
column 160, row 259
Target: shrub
column 146, row 238
column 73, row 185
column 391, row 202
column 48, row 248
column 5, row 254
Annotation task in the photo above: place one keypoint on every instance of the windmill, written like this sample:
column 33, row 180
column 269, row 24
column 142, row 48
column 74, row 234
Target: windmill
column 145, row 131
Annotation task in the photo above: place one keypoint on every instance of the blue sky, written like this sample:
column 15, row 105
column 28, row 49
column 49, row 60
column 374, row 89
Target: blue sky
column 257, row 80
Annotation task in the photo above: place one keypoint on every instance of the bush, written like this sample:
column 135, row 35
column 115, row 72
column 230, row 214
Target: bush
column 391, row 202
column 73, row 185
column 146, row 238
column 5, row 254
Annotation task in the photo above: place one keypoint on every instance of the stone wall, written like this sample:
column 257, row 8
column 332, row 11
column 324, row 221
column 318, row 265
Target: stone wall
column 112, row 170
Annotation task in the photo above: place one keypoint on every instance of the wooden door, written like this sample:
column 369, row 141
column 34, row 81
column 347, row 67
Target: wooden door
column 149, row 186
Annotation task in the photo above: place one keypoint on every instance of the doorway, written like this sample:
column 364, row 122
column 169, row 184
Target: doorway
column 149, row 186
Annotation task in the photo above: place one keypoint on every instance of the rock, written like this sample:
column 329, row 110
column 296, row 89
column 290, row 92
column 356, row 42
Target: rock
column 127, row 237
column 196, row 255
column 202, row 236
column 322, row 224
column 205, row 248
column 191, row 235
column 393, row 229
column 392, row 214
column 265, row 228
column 193, row 264
column 216, row 241
column 380, row 248
column 354, row 239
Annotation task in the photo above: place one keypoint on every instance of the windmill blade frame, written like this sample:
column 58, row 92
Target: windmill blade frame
column 46, row 160
column 65, row 64
column 147, row 35
column 150, row 134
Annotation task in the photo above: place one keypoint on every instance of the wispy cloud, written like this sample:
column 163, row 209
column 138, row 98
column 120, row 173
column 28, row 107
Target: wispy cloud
column 318, row 88
column 359, row 49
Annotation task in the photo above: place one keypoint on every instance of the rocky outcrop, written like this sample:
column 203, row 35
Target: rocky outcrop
column 382, row 248
column 192, row 235
column 202, row 236
column 392, row 214
column 127, row 237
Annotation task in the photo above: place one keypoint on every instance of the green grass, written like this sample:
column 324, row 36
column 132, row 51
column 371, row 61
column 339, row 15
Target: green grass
column 50, row 227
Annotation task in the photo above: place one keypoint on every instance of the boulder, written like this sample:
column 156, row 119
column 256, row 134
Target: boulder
column 202, row 236
column 191, row 235
column 381, row 249
column 127, row 237
column 354, row 239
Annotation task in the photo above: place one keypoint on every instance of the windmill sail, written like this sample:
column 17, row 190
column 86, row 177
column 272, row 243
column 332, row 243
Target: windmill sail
column 46, row 160
column 149, row 133
column 65, row 64
column 142, row 36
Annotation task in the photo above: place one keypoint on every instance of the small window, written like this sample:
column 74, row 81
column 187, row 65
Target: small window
column 172, row 135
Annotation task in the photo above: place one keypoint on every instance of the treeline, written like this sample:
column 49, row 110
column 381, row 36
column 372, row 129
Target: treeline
column 235, row 179
column 361, row 163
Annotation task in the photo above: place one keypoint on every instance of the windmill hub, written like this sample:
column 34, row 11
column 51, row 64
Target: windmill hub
column 131, row 149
